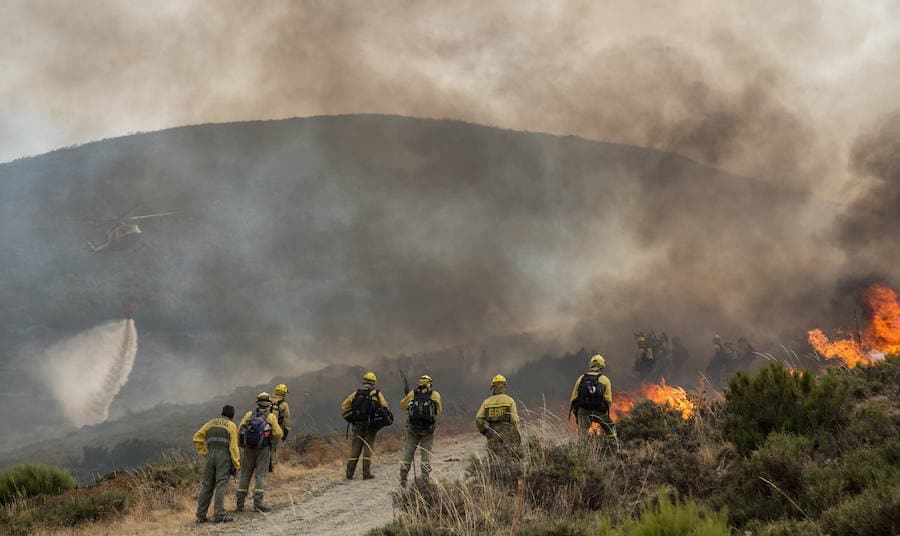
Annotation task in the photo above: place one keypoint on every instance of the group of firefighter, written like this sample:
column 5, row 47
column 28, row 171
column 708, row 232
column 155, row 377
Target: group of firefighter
column 250, row 447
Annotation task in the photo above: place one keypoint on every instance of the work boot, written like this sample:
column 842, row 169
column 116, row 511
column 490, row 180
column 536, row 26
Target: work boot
column 351, row 468
column 260, row 507
column 369, row 476
column 202, row 520
column 224, row 518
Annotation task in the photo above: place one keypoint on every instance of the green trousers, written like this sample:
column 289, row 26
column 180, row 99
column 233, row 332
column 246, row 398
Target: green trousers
column 588, row 416
column 215, row 482
column 253, row 461
column 361, row 447
column 424, row 441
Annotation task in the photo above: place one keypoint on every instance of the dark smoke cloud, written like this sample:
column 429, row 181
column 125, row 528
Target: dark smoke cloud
column 869, row 228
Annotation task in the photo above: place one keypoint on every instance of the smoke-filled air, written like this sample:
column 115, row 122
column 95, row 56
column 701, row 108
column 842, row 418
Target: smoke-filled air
column 85, row 372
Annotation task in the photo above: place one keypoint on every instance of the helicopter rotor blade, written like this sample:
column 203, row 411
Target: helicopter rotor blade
column 145, row 216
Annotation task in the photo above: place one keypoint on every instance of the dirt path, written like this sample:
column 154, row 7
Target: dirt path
column 322, row 502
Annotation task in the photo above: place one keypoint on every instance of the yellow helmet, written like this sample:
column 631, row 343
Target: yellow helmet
column 498, row 379
column 281, row 389
column 263, row 398
column 424, row 380
column 597, row 361
column 369, row 377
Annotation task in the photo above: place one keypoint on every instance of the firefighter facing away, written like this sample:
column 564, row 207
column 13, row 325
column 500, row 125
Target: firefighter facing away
column 259, row 429
column 360, row 410
column 217, row 440
column 592, row 397
column 283, row 413
column 498, row 420
column 423, row 405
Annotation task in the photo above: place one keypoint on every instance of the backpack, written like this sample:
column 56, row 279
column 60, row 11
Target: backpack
column 381, row 417
column 421, row 409
column 277, row 406
column 590, row 393
column 361, row 408
column 256, row 432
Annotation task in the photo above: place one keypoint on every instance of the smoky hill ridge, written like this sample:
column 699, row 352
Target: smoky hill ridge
column 340, row 239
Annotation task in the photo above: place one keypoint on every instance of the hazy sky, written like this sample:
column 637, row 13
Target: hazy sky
column 80, row 71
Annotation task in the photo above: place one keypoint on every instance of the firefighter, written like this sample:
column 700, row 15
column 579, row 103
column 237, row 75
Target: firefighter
column 591, row 399
column 498, row 420
column 423, row 405
column 258, row 431
column 217, row 440
column 282, row 411
column 358, row 409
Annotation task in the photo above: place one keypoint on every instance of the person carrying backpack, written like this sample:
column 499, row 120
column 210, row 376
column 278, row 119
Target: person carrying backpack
column 423, row 405
column 359, row 409
column 217, row 441
column 258, row 430
column 591, row 399
column 498, row 420
column 283, row 412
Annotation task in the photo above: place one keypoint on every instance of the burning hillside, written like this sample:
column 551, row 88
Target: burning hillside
column 880, row 336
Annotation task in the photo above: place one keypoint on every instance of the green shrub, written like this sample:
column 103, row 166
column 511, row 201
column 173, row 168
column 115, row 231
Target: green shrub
column 678, row 519
column 81, row 508
column 781, row 462
column 784, row 527
column 874, row 512
column 648, row 420
column 31, row 479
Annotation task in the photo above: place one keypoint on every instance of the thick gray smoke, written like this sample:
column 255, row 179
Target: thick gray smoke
column 85, row 372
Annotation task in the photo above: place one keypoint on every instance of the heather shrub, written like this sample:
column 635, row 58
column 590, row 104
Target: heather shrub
column 648, row 420
column 31, row 479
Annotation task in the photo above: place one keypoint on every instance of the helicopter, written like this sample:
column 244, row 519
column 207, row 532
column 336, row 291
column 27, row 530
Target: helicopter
column 125, row 233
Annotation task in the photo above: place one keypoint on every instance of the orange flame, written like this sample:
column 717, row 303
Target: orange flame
column 674, row 397
column 881, row 336
column 595, row 429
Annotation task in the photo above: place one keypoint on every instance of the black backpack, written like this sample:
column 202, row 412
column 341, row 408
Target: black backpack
column 256, row 432
column 381, row 417
column 277, row 406
column 590, row 393
column 421, row 409
column 362, row 406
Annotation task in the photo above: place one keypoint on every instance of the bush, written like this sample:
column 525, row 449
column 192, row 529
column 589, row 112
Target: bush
column 31, row 479
column 874, row 512
column 674, row 519
column 648, row 420
column 79, row 509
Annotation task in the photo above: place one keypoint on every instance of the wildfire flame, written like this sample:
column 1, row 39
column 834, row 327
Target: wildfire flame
column 674, row 397
column 595, row 429
column 881, row 336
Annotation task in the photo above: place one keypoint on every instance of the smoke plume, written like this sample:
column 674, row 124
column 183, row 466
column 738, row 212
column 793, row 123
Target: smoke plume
column 85, row 372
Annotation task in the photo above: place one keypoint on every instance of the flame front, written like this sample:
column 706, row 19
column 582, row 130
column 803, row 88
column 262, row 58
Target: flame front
column 881, row 336
column 595, row 429
column 674, row 397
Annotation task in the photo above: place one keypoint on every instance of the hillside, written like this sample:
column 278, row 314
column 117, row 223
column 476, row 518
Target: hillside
column 307, row 242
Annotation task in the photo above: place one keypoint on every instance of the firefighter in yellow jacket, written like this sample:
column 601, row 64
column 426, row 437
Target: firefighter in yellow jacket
column 422, row 405
column 258, row 430
column 357, row 409
column 591, row 399
column 282, row 411
column 217, row 440
column 498, row 420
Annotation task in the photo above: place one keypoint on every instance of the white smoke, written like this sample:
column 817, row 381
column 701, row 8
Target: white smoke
column 85, row 372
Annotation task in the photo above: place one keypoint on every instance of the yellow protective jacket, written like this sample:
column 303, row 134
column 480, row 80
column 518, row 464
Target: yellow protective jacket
column 435, row 396
column 219, row 423
column 497, row 408
column 283, row 410
column 346, row 405
column 607, row 386
column 272, row 419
